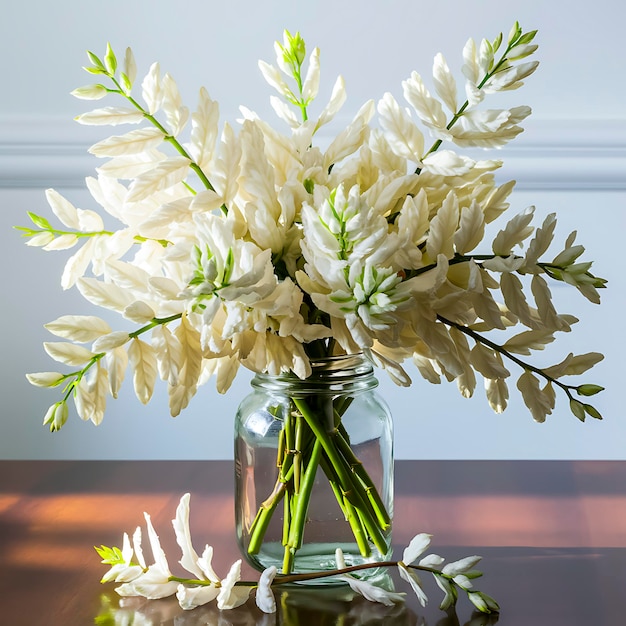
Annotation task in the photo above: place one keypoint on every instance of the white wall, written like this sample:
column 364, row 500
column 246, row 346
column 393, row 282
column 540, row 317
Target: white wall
column 572, row 159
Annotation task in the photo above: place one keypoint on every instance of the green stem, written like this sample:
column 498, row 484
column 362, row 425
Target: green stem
column 504, row 352
column 78, row 375
column 266, row 510
column 350, row 512
column 370, row 489
column 169, row 138
column 352, row 488
column 455, row 118
column 296, row 531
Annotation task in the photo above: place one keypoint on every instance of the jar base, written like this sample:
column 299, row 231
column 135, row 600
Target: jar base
column 319, row 557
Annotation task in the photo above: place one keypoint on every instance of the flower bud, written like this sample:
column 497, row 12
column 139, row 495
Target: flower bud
column 588, row 390
column 90, row 92
column 56, row 416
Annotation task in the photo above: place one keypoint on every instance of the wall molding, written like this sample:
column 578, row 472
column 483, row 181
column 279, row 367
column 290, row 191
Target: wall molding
column 589, row 154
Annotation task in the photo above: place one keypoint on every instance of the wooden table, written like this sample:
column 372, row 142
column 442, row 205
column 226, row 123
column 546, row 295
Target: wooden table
column 552, row 534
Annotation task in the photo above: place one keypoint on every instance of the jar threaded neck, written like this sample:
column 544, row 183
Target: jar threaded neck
column 336, row 374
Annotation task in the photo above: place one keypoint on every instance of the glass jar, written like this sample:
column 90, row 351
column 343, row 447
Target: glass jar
column 314, row 469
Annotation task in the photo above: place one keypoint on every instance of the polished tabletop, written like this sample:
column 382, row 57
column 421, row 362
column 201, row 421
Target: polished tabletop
column 552, row 535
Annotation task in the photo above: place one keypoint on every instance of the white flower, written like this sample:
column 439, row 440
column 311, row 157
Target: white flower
column 414, row 580
column 126, row 571
column 416, row 547
column 180, row 523
column 192, row 597
column 230, row 595
column 450, row 594
column 368, row 590
column 155, row 582
column 460, row 567
column 264, row 596
column 259, row 242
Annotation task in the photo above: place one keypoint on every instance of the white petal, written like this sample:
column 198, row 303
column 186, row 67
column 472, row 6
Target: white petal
column 139, row 312
column 231, row 596
column 154, row 584
column 189, row 559
column 111, row 116
column 137, row 547
column 416, row 584
column 110, row 341
column 67, row 353
column 417, row 545
column 63, row 209
column 431, row 560
column 372, row 592
column 204, row 562
column 157, row 552
column 44, row 379
column 192, row 597
column 133, row 142
column 461, row 566
column 81, row 328
column 264, row 596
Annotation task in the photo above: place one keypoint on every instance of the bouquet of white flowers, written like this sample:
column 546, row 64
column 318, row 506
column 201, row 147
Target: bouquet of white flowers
column 257, row 247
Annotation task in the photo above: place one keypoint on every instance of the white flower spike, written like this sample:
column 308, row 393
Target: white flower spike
column 156, row 581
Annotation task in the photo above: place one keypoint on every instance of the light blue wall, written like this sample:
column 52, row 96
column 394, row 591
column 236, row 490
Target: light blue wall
column 571, row 160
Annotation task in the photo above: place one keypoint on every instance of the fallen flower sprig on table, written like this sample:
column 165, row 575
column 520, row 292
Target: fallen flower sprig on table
column 129, row 567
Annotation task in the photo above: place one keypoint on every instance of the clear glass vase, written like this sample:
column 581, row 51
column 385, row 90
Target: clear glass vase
column 314, row 469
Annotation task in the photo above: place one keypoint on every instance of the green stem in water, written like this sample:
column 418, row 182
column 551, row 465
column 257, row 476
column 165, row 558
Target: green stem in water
column 296, row 530
column 264, row 514
column 350, row 513
column 370, row 489
column 352, row 489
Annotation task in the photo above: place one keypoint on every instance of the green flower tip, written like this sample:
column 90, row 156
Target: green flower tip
column 294, row 48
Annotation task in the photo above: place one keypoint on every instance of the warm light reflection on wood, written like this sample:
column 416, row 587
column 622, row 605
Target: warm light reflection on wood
column 51, row 554
column 7, row 500
column 546, row 530
column 584, row 520
column 76, row 511
column 56, row 526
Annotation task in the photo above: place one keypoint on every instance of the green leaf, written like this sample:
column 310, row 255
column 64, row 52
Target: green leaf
column 228, row 267
column 109, row 556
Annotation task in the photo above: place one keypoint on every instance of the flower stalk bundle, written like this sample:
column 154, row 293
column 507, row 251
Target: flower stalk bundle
column 313, row 445
column 255, row 247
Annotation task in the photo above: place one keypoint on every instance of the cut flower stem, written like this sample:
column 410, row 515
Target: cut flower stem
column 314, row 427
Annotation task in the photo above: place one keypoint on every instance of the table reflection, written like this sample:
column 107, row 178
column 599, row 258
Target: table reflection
column 552, row 534
column 295, row 607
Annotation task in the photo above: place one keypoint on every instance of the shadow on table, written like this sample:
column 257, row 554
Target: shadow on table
column 295, row 607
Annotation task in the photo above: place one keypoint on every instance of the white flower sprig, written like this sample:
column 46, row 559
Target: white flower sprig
column 257, row 248
column 128, row 567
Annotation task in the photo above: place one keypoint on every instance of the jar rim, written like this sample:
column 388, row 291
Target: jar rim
column 344, row 373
